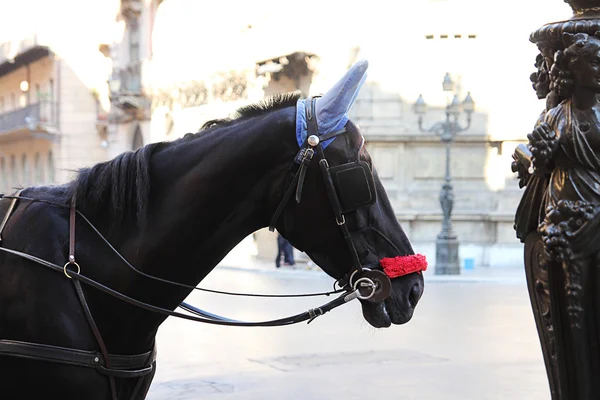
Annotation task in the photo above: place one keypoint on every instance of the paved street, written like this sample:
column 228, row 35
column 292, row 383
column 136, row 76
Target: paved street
column 467, row 340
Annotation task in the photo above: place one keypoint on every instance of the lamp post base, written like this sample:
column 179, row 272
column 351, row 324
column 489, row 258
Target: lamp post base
column 446, row 257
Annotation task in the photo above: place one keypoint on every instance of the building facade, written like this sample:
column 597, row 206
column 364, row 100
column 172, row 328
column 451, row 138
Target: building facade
column 130, row 55
column 50, row 121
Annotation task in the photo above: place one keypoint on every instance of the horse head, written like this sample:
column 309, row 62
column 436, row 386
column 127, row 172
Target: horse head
column 341, row 216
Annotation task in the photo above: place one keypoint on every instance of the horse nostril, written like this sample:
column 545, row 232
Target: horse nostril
column 414, row 295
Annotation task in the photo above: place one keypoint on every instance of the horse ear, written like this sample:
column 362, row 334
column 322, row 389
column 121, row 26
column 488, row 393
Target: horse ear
column 333, row 107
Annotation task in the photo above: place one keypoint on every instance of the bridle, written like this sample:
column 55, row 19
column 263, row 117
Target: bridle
column 349, row 186
column 360, row 282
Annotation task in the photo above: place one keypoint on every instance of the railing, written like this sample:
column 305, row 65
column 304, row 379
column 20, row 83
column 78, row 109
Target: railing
column 131, row 79
column 41, row 113
column 9, row 50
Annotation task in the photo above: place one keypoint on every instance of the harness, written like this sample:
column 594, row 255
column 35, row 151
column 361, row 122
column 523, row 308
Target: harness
column 349, row 186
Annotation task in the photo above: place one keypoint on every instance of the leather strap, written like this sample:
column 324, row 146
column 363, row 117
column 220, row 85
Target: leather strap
column 331, row 193
column 72, row 220
column 81, row 297
column 283, row 203
column 310, row 315
column 308, row 155
column 313, row 129
column 81, row 358
column 118, row 373
column 96, row 333
column 167, row 281
column 342, row 299
column 331, row 135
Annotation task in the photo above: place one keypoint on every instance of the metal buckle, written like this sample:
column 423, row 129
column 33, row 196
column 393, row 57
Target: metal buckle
column 308, row 154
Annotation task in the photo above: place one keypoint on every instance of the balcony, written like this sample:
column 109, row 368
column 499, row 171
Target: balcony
column 131, row 80
column 38, row 117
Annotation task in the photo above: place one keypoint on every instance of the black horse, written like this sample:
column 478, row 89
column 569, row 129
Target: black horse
column 174, row 210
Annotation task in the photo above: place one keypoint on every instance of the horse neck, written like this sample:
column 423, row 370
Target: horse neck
column 208, row 193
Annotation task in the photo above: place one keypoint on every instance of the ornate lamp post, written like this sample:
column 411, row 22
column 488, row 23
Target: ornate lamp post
column 559, row 213
column 446, row 245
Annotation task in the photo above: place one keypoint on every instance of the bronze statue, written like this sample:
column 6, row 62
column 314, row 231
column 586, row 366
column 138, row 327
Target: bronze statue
column 558, row 217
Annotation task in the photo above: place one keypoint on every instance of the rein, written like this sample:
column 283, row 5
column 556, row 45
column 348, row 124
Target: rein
column 72, row 270
column 17, row 196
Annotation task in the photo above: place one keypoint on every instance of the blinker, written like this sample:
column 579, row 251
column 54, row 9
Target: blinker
column 354, row 185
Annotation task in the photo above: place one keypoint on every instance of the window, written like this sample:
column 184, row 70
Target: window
column 25, row 170
column 51, row 90
column 13, row 101
column 38, row 93
column 50, row 167
column 3, row 175
column 1, row 104
column 39, row 170
column 138, row 141
column 447, row 36
column 134, row 41
column 13, row 170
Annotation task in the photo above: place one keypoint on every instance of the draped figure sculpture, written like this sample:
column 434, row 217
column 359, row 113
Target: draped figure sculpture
column 558, row 218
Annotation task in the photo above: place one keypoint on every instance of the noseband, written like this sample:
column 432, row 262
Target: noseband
column 354, row 187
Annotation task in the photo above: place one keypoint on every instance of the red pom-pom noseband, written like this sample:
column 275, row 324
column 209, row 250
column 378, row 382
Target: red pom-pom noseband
column 403, row 265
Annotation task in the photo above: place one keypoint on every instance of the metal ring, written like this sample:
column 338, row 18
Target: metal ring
column 65, row 269
column 343, row 220
column 354, row 273
column 373, row 288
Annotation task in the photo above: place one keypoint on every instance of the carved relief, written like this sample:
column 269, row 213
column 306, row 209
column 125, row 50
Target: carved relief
column 223, row 87
column 558, row 218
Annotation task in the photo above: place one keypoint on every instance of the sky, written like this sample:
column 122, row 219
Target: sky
column 194, row 38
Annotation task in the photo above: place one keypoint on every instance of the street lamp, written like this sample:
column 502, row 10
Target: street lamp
column 446, row 244
column 114, row 85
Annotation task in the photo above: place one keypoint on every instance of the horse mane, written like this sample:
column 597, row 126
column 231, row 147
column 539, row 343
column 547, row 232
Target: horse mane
column 271, row 103
column 121, row 187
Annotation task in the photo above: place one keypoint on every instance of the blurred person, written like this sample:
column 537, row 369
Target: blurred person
column 285, row 250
